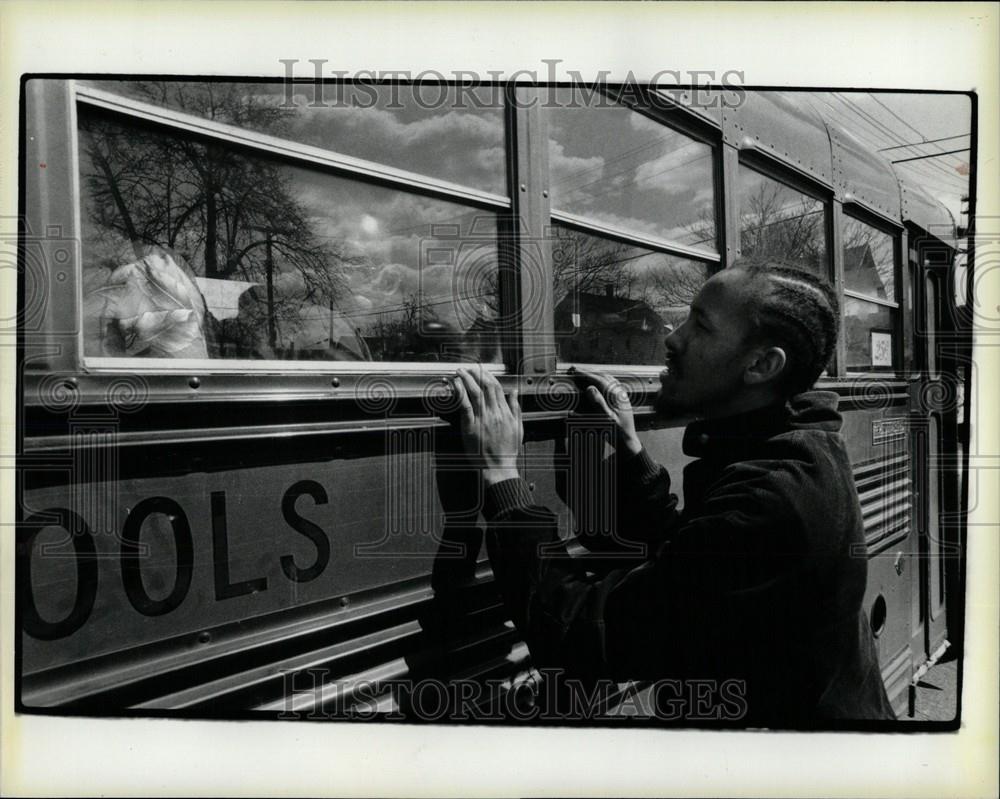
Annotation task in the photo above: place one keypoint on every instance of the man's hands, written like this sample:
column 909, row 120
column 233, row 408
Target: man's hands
column 490, row 424
column 491, row 427
column 607, row 396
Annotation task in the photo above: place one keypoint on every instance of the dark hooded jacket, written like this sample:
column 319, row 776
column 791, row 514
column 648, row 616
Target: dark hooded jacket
column 757, row 582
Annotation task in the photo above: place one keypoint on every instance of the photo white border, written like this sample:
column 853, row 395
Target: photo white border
column 942, row 46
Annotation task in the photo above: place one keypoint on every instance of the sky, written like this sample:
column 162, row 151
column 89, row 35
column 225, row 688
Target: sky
column 884, row 120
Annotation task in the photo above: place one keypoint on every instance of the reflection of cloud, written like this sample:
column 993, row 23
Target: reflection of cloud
column 382, row 269
column 564, row 168
column 342, row 210
column 460, row 146
column 675, row 171
column 392, row 130
column 624, row 222
column 704, row 196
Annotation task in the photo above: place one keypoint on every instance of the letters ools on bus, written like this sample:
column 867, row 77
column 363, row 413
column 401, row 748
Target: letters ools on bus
column 87, row 573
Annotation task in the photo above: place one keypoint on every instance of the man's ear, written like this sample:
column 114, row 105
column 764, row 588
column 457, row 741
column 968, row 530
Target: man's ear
column 766, row 367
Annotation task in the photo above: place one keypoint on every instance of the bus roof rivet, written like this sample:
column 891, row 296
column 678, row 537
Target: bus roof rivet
column 344, row 602
column 529, row 380
column 335, row 382
column 545, row 192
column 524, row 187
column 194, row 382
column 204, row 637
column 72, row 383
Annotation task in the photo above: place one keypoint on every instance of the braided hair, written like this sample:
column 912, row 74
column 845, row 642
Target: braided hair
column 798, row 311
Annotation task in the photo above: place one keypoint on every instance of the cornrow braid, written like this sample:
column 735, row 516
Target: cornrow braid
column 798, row 311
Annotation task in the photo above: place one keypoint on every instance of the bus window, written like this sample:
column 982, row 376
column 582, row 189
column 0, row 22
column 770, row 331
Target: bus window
column 870, row 335
column 196, row 248
column 870, row 302
column 623, row 170
column 778, row 223
column 615, row 303
column 453, row 133
column 869, row 262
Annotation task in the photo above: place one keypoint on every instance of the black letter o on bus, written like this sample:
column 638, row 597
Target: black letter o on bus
column 86, row 574
column 184, row 546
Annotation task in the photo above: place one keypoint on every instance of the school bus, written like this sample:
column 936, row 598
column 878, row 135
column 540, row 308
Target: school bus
column 240, row 304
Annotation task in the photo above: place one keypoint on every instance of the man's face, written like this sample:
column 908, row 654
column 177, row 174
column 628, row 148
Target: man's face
column 707, row 355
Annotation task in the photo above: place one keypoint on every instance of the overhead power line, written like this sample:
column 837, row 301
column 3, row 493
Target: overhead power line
column 883, row 131
column 931, row 155
column 927, row 175
column 928, row 141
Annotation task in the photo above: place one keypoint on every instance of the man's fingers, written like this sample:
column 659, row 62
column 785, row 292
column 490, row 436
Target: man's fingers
column 472, row 388
column 491, row 386
column 602, row 382
column 618, row 396
column 465, row 406
column 608, row 388
column 514, row 404
column 601, row 403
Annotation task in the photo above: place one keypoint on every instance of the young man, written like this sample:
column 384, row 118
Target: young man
column 760, row 578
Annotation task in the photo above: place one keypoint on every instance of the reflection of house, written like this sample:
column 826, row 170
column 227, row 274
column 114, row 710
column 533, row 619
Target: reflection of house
column 480, row 342
column 603, row 328
column 861, row 272
column 436, row 340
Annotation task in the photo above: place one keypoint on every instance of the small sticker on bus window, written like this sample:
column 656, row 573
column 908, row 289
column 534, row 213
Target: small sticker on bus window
column 881, row 348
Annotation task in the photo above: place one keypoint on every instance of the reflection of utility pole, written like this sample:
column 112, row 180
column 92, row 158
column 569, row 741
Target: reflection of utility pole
column 269, row 271
column 272, row 331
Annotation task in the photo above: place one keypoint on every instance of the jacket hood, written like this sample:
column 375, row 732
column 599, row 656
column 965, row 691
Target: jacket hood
column 814, row 410
column 732, row 435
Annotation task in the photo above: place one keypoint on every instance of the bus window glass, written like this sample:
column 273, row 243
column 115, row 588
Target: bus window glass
column 869, row 261
column 452, row 133
column 778, row 223
column 870, row 332
column 615, row 303
column 620, row 168
column 193, row 248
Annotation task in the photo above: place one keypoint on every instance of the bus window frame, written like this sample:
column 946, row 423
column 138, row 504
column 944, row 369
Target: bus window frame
column 882, row 224
column 306, row 157
column 680, row 120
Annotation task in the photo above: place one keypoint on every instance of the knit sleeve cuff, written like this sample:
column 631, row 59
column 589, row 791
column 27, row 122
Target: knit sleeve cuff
column 506, row 496
column 639, row 468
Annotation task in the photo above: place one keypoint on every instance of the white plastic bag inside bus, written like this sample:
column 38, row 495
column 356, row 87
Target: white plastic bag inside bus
column 151, row 308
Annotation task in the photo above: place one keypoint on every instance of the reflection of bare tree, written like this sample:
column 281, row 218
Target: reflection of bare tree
column 394, row 334
column 233, row 216
column 588, row 264
column 677, row 287
column 771, row 228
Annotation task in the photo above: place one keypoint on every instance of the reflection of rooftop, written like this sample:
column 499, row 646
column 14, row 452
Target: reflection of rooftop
column 608, row 310
column 861, row 271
